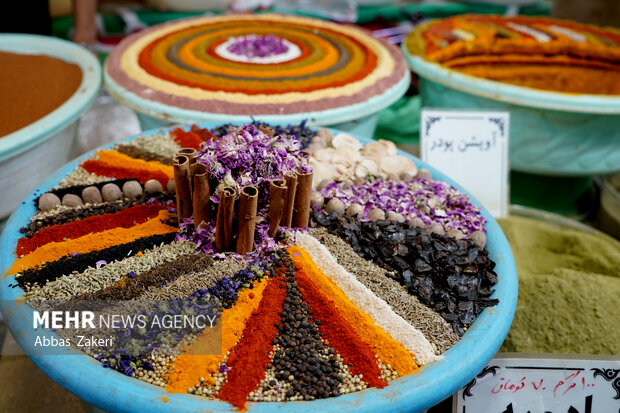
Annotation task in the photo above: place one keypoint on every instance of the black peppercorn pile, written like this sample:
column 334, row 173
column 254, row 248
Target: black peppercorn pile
column 66, row 265
column 455, row 278
column 305, row 365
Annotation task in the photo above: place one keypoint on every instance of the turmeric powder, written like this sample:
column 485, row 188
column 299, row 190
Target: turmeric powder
column 117, row 159
column 189, row 368
column 92, row 242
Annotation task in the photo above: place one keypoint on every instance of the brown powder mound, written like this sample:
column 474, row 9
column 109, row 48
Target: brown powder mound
column 31, row 86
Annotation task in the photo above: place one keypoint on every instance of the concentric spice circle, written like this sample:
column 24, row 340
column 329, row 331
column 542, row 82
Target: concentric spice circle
column 310, row 65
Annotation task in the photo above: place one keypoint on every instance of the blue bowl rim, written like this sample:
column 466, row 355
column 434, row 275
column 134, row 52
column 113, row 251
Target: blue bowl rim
column 45, row 127
column 513, row 94
column 113, row 391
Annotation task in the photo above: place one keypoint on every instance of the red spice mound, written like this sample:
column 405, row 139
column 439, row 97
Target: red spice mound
column 358, row 355
column 189, row 139
column 103, row 169
column 250, row 357
column 31, row 86
column 123, row 219
column 204, row 133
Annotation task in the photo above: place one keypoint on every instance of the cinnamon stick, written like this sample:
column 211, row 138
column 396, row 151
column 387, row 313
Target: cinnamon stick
column 289, row 201
column 180, row 164
column 248, row 202
column 277, row 196
column 200, row 193
column 267, row 130
column 190, row 153
column 302, row 200
column 224, row 220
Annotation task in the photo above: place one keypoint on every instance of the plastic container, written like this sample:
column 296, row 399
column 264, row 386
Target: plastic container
column 359, row 119
column 50, row 140
column 112, row 391
column 551, row 133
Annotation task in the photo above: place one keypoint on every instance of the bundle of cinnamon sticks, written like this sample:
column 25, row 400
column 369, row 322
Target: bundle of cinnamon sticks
column 289, row 203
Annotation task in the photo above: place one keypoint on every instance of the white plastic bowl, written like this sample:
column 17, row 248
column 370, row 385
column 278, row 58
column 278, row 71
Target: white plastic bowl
column 29, row 155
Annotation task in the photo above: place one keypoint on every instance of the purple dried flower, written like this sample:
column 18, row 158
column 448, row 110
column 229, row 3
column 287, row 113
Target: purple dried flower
column 429, row 200
column 257, row 46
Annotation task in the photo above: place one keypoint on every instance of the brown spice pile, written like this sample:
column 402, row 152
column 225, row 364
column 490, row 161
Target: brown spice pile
column 131, row 288
column 31, row 86
column 139, row 153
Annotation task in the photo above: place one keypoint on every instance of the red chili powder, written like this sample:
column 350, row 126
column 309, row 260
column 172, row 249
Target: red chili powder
column 250, row 357
column 103, row 169
column 31, row 86
column 189, row 139
column 358, row 355
column 204, row 133
column 124, row 219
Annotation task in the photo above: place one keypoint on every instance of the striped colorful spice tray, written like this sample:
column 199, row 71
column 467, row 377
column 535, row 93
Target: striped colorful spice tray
column 255, row 65
column 330, row 266
column 535, row 52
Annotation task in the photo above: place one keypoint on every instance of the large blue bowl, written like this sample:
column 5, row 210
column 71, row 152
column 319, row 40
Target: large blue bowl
column 113, row 391
column 551, row 133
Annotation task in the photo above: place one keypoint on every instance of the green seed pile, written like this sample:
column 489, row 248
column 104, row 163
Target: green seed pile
column 161, row 145
column 140, row 153
column 185, row 284
column 94, row 279
column 131, row 288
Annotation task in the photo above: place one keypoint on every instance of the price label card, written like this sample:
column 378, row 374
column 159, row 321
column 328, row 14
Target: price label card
column 533, row 384
column 470, row 147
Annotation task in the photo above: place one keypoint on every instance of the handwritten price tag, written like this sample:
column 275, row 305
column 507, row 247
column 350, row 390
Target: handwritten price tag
column 514, row 384
column 470, row 147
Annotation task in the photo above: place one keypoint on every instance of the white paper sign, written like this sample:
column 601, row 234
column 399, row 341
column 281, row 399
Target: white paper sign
column 544, row 385
column 470, row 147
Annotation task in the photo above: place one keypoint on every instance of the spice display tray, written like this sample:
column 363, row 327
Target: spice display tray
column 112, row 391
column 359, row 119
column 551, row 133
column 50, row 141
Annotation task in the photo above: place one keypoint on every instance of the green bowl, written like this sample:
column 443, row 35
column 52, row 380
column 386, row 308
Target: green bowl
column 551, row 133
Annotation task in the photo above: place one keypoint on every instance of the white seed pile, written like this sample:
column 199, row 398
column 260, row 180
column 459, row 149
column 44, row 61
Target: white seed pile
column 431, row 324
column 162, row 363
column 81, row 176
column 380, row 311
column 387, row 372
column 266, row 391
column 204, row 389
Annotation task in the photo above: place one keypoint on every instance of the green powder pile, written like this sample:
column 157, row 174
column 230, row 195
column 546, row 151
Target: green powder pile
column 615, row 182
column 569, row 289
